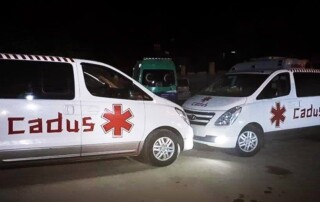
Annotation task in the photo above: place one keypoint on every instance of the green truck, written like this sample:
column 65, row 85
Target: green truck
column 158, row 75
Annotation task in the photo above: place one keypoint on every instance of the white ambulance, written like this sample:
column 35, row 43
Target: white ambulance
column 248, row 102
column 57, row 107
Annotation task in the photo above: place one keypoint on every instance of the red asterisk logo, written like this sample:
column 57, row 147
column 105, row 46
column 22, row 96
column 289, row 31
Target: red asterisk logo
column 278, row 114
column 117, row 120
column 205, row 99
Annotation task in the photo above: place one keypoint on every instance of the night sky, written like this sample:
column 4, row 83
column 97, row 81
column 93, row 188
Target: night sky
column 192, row 34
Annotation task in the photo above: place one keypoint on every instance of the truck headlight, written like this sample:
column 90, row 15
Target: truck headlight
column 183, row 115
column 228, row 117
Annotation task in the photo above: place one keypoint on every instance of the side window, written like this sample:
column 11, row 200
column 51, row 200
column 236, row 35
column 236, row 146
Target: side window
column 307, row 84
column 36, row 80
column 279, row 86
column 104, row 82
column 57, row 81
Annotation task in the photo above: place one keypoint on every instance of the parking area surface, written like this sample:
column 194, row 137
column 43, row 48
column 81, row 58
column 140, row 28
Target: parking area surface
column 286, row 169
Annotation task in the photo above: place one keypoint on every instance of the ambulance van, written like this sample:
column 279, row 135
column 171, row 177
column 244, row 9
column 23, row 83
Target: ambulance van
column 249, row 102
column 58, row 107
column 158, row 75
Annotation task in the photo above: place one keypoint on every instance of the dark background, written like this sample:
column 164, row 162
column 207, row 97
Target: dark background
column 193, row 34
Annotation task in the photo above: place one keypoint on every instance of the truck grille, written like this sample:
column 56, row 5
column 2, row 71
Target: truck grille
column 199, row 118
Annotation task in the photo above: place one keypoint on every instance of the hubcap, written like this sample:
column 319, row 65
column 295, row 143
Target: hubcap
column 248, row 141
column 163, row 148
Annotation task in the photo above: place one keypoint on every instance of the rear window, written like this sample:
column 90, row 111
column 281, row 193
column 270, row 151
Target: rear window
column 36, row 80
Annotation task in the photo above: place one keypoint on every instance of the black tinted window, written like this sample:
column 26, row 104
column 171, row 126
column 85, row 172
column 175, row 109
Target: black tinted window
column 277, row 87
column 158, row 78
column 307, row 84
column 235, row 85
column 36, row 80
column 104, row 82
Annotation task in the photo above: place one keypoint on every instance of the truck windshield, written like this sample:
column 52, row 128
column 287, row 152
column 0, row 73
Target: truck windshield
column 235, row 85
column 158, row 78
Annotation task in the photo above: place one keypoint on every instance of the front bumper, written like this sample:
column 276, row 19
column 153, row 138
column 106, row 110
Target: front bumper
column 221, row 136
column 188, row 139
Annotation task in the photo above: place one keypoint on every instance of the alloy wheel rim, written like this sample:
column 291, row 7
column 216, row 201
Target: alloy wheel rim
column 248, row 141
column 163, row 148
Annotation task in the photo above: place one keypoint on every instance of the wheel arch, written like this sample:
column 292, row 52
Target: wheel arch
column 256, row 125
column 258, row 141
column 175, row 131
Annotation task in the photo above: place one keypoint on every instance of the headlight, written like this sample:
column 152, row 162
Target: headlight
column 183, row 115
column 228, row 117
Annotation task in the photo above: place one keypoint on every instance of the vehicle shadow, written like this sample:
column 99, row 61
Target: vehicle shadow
column 200, row 150
column 311, row 133
column 32, row 173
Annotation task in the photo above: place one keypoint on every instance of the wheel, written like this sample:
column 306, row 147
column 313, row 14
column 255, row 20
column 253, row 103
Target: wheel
column 161, row 148
column 249, row 141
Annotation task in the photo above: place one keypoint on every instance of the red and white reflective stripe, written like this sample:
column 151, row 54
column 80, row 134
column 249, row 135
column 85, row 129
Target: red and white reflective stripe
column 305, row 70
column 35, row 57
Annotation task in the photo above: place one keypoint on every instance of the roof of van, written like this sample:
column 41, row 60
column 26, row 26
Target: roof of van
column 269, row 58
column 270, row 64
column 304, row 70
column 35, row 58
column 157, row 63
column 269, row 71
column 157, row 58
column 251, row 72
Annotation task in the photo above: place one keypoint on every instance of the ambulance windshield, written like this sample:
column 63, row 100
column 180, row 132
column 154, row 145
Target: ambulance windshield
column 235, row 85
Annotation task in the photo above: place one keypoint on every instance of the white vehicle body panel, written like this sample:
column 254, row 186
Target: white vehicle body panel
column 85, row 125
column 20, row 116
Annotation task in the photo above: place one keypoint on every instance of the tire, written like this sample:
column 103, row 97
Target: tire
column 161, row 148
column 249, row 142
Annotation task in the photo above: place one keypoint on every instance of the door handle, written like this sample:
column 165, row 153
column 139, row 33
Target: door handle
column 69, row 109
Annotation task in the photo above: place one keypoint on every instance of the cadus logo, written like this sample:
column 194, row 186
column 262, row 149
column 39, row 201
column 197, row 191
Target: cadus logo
column 203, row 102
column 300, row 113
column 117, row 121
column 50, row 126
column 206, row 99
